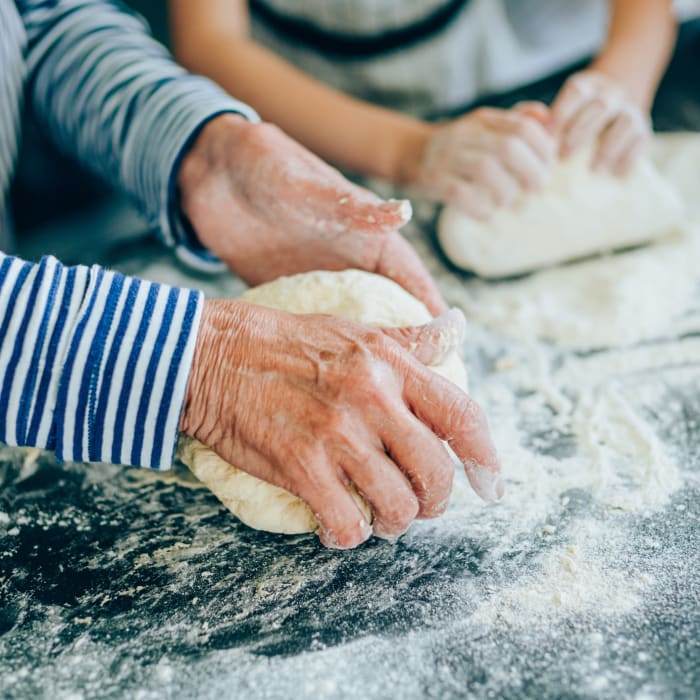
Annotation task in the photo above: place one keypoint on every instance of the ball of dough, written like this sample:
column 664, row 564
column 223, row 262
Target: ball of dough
column 352, row 294
column 578, row 213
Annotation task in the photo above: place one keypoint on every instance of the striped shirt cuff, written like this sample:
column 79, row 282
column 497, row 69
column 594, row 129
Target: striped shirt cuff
column 93, row 364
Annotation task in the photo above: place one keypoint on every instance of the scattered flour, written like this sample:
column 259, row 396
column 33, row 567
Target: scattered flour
column 612, row 301
column 566, row 584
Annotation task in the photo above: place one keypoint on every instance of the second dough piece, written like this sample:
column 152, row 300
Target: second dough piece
column 578, row 213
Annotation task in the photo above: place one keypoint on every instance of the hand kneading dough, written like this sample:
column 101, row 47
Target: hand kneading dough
column 359, row 296
column 578, row 213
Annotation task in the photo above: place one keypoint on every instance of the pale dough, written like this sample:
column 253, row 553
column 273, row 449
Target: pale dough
column 578, row 213
column 353, row 294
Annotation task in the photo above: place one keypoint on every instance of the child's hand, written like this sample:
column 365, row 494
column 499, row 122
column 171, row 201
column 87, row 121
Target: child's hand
column 593, row 106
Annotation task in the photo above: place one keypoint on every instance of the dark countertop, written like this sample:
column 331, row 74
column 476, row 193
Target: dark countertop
column 112, row 585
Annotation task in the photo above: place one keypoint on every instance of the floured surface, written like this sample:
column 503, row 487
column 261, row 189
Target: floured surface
column 583, row 581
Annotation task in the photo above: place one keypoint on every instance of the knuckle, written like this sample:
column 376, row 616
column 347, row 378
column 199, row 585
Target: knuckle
column 579, row 83
column 263, row 131
column 509, row 147
column 304, row 465
column 523, row 128
column 605, row 102
column 399, row 515
column 337, row 425
column 375, row 342
column 464, row 413
column 457, row 192
column 484, row 167
column 438, row 482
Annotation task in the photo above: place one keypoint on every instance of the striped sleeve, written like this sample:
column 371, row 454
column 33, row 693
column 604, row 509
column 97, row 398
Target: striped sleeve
column 112, row 96
column 93, row 365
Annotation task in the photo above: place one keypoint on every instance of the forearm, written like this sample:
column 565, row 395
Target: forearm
column 638, row 46
column 93, row 365
column 345, row 131
column 111, row 96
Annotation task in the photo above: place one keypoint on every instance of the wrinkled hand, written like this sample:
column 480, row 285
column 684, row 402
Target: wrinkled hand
column 268, row 207
column 593, row 106
column 488, row 158
column 312, row 403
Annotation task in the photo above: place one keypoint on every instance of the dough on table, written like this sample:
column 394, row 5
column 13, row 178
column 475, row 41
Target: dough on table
column 578, row 213
column 353, row 294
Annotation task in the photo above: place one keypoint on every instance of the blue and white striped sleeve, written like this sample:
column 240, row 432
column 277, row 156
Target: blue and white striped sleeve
column 93, row 365
column 111, row 95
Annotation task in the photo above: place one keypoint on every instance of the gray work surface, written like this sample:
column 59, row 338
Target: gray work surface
column 114, row 583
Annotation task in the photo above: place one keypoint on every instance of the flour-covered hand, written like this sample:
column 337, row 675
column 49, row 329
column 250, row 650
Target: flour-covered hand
column 313, row 403
column 268, row 207
column 488, row 158
column 592, row 106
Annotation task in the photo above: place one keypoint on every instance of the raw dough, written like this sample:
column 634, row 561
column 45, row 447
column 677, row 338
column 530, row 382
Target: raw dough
column 578, row 213
column 352, row 294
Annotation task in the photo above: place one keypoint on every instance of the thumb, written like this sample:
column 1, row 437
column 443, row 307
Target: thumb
column 432, row 342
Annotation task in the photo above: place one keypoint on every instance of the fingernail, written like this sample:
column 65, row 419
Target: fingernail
column 379, row 532
column 328, row 539
column 400, row 207
column 488, row 484
column 452, row 327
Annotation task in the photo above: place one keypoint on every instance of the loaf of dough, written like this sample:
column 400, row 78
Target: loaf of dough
column 578, row 213
column 353, row 294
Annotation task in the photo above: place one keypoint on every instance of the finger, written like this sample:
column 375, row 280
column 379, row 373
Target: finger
column 400, row 262
column 457, row 418
column 341, row 523
column 361, row 216
column 522, row 162
column 615, row 141
column 422, row 457
column 487, row 171
column 630, row 155
column 431, row 343
column 587, row 124
column 535, row 110
column 530, row 130
column 576, row 92
column 472, row 199
column 386, row 490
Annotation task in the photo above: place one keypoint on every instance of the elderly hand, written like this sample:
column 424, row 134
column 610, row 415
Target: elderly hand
column 312, row 403
column 593, row 106
column 268, row 207
column 488, row 158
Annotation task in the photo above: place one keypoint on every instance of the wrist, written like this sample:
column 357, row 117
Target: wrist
column 193, row 412
column 639, row 80
column 209, row 154
column 409, row 152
